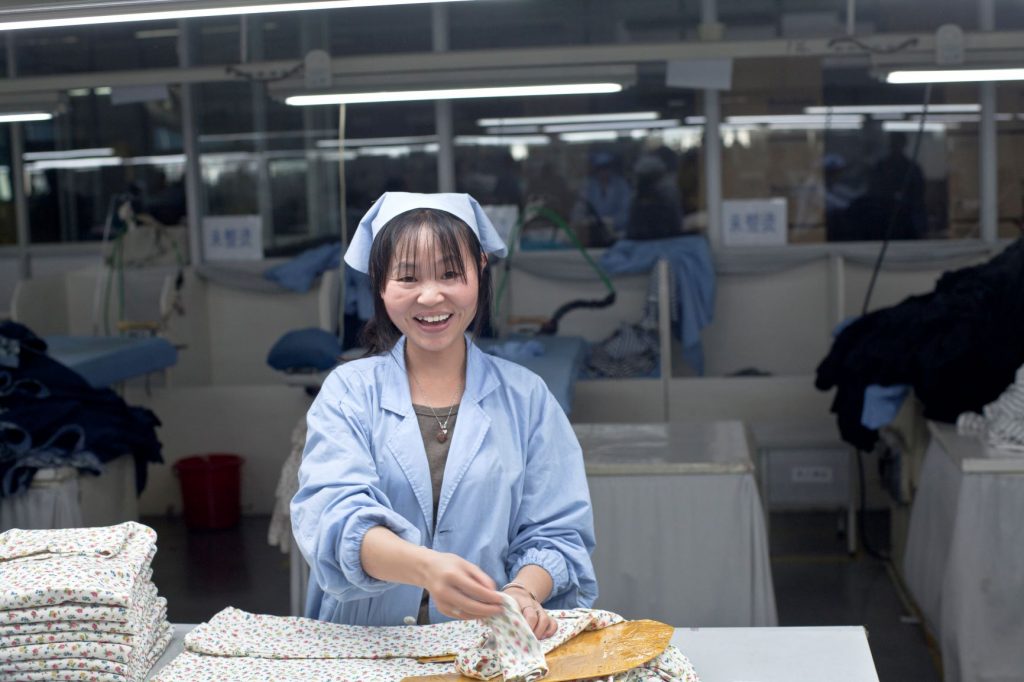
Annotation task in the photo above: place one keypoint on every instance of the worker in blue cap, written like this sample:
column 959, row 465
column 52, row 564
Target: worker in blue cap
column 434, row 473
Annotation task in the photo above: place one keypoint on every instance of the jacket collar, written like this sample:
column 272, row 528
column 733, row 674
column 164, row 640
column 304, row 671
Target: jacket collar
column 395, row 396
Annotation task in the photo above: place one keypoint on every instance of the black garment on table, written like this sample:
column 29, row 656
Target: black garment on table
column 958, row 347
column 39, row 396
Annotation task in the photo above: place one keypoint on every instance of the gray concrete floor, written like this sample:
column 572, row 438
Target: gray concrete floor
column 816, row 582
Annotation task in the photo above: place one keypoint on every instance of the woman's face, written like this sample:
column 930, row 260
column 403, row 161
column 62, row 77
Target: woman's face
column 426, row 300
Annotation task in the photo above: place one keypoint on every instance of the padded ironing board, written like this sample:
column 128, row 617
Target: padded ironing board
column 559, row 366
column 107, row 360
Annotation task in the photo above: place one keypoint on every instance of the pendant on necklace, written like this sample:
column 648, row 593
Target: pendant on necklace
column 442, row 435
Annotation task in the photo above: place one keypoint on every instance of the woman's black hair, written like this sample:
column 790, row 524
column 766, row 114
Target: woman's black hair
column 397, row 240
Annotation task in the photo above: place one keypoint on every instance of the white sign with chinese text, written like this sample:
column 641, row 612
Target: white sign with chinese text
column 754, row 222
column 233, row 237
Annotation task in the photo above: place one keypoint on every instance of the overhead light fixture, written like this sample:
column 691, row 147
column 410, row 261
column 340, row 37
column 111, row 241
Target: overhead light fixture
column 83, row 163
column 894, row 109
column 815, row 125
column 512, row 130
column 954, row 76
column 170, row 11
column 592, row 136
column 573, row 118
column 454, row 93
column 500, row 140
column 68, row 154
column 614, row 125
column 332, row 143
column 26, row 117
column 796, row 119
column 913, row 126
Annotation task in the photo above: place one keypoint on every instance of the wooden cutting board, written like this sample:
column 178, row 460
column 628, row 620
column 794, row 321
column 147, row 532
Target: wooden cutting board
column 598, row 653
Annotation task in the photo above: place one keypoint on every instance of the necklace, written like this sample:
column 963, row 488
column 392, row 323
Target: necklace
column 442, row 435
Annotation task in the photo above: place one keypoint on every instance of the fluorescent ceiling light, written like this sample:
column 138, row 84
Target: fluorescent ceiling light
column 16, row 118
column 198, row 12
column 894, row 109
column 501, row 140
column 796, row 118
column 74, row 164
column 332, row 143
column 694, row 120
column 955, row 76
column 102, row 90
column 620, row 125
column 913, row 126
column 593, row 136
column 575, row 118
column 512, row 130
column 454, row 93
column 68, row 154
column 814, row 125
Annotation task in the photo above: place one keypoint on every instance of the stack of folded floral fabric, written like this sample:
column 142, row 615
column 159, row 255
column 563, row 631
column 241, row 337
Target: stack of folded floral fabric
column 80, row 604
column 245, row 647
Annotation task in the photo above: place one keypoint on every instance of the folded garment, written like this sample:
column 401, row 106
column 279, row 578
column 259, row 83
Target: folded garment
column 135, row 671
column 97, row 566
column 75, row 612
column 42, row 642
column 1001, row 423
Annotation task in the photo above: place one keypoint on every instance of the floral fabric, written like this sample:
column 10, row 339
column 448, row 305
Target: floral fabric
column 510, row 649
column 79, row 604
column 135, row 670
column 77, row 612
column 98, row 566
column 246, row 647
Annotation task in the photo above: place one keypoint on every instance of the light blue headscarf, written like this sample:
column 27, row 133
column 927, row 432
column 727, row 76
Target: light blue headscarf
column 391, row 204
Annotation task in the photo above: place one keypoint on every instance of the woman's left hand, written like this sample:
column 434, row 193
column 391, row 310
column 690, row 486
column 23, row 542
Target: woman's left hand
column 537, row 618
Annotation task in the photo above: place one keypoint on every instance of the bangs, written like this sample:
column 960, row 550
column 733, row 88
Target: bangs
column 437, row 237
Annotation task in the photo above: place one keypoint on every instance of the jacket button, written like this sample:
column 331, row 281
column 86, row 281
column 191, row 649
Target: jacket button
column 409, row 620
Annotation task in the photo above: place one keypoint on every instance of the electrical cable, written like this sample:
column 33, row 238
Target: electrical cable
column 887, row 237
column 551, row 325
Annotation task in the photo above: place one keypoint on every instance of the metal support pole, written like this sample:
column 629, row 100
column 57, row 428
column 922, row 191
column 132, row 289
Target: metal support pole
column 193, row 169
column 988, row 159
column 18, row 176
column 443, row 108
column 712, row 140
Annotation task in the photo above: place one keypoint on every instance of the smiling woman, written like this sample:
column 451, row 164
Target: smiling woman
column 403, row 515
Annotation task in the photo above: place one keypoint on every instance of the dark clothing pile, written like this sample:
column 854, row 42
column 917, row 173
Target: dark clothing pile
column 50, row 416
column 958, row 347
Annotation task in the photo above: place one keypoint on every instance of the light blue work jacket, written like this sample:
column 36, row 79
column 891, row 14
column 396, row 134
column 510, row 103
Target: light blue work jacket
column 514, row 490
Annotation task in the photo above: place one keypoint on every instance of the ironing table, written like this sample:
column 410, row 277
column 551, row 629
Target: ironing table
column 110, row 360
column 799, row 654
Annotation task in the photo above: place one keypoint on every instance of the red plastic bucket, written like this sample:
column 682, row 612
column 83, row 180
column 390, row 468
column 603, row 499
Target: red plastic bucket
column 211, row 489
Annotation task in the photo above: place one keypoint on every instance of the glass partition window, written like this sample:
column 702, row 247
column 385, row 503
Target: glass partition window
column 104, row 148
column 855, row 159
column 1010, row 150
column 605, row 166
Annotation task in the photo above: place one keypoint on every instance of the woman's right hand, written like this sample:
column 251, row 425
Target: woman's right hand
column 459, row 588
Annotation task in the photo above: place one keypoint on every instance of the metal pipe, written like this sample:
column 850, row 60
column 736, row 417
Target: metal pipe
column 18, row 176
column 418, row 63
column 443, row 108
column 712, row 142
column 193, row 168
column 988, row 156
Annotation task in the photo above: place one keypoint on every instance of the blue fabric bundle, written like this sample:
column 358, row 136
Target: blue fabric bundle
column 694, row 270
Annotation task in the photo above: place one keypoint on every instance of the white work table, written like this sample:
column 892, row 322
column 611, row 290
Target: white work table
column 808, row 654
column 680, row 528
column 964, row 558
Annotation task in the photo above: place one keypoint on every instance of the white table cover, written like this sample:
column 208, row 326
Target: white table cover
column 964, row 562
column 680, row 527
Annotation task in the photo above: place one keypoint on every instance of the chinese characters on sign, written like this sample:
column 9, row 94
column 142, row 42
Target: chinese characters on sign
column 235, row 237
column 754, row 222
